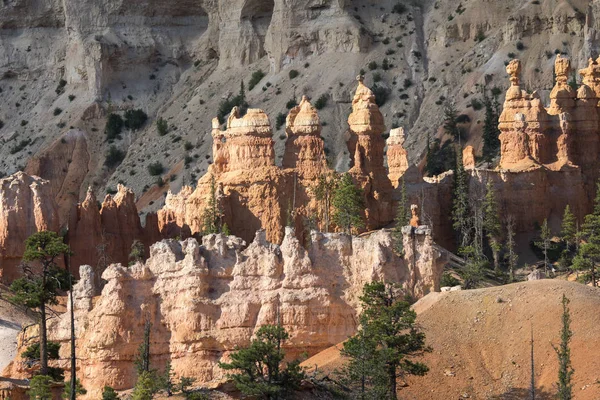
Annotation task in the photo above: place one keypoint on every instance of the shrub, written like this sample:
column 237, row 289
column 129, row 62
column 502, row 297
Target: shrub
column 162, row 126
column 520, row 46
column 372, row 66
column 187, row 146
column 114, row 157
column 376, row 77
column 39, row 388
column 114, row 126
column 135, row 119
column 399, row 8
column 386, row 64
column 381, row 94
column 24, row 122
column 57, row 111
column 255, row 78
column 71, row 97
column 188, row 160
column 152, row 77
column 279, row 121
column 156, row 168
column 20, row 146
column 449, row 280
column 293, row 73
column 480, row 37
column 61, row 87
column 291, row 104
column 109, row 394
column 321, row 102
column 386, row 41
column 476, row 104
column 1, row 124
column 407, row 83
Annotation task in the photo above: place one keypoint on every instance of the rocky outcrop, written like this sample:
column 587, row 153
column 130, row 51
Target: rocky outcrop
column 397, row 159
column 26, row 206
column 468, row 157
column 204, row 300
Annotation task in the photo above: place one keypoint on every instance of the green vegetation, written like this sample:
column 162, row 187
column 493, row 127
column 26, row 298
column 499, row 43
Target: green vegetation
column 563, row 352
column 57, row 111
column 162, row 126
column 156, row 168
column 114, row 126
column 79, row 389
column 402, row 219
column 109, row 393
column 450, row 124
column 114, row 157
column 439, row 158
column 39, row 388
column 399, row 8
column 260, row 370
column 385, row 346
column 135, row 119
column 213, row 214
column 137, row 253
column 40, row 286
column 491, row 224
column 60, row 89
column 381, row 94
column 321, row 102
column 347, row 202
column 491, row 133
column 588, row 255
column 255, row 79
column 291, row 104
column 228, row 104
column 293, row 73
column 279, row 121
column 20, row 146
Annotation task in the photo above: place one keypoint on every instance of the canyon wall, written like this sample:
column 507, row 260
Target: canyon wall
column 205, row 299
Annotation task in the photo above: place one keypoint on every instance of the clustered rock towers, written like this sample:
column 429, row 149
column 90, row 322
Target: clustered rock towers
column 566, row 134
column 256, row 194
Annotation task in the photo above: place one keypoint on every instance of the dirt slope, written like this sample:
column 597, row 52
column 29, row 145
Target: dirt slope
column 481, row 343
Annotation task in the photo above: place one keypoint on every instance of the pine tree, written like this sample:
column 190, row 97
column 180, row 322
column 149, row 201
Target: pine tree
column 166, row 380
column 565, row 369
column 588, row 255
column 402, row 219
column 388, row 332
column 211, row 217
column 347, row 204
column 142, row 359
column 37, row 289
column 491, row 224
column 79, row 389
column 323, row 191
column 461, row 221
column 109, row 393
column 145, row 386
column 39, row 388
column 450, row 123
column 260, row 366
column 491, row 133
column 510, row 247
column 544, row 243
column 568, row 233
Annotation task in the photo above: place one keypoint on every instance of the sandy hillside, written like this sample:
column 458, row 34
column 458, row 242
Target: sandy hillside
column 481, row 342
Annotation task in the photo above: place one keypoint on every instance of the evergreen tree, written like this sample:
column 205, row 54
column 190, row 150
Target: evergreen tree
column 323, row 191
column 491, row 224
column 211, row 217
column 588, row 255
column 402, row 219
column 461, row 221
column 142, row 359
column 544, row 243
column 510, row 247
column 491, row 132
column 79, row 389
column 565, row 369
column 39, row 388
column 259, row 366
column 39, row 288
column 450, row 122
column 166, row 380
column 347, row 204
column 145, row 386
column 137, row 252
column 109, row 393
column 568, row 233
column 388, row 332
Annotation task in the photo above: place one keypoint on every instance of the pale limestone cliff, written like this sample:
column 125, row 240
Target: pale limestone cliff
column 204, row 300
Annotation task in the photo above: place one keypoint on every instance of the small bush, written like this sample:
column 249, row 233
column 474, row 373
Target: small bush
column 109, row 393
column 399, row 8
column 152, row 77
column 386, row 41
column 61, row 87
column 20, row 146
column 321, row 102
column 386, row 64
column 57, row 111
column 511, row 55
column 188, row 160
column 520, row 46
column 291, row 104
column 376, row 77
column 114, row 126
column 162, row 126
column 1, row 124
column 114, row 157
column 279, row 121
column 71, row 97
column 449, row 280
column 156, row 168
column 24, row 122
column 480, row 37
column 476, row 104
column 135, row 119
column 407, row 83
column 293, row 73
column 381, row 94
column 255, row 78
column 372, row 66
column 187, row 146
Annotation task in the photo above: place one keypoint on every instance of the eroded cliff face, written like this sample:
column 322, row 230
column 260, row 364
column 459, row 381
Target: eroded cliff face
column 26, row 207
column 204, row 300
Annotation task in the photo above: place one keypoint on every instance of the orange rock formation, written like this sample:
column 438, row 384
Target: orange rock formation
column 26, row 206
column 396, row 156
column 204, row 300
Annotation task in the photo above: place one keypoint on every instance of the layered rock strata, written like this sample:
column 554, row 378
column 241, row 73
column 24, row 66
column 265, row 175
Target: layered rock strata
column 397, row 159
column 204, row 300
